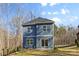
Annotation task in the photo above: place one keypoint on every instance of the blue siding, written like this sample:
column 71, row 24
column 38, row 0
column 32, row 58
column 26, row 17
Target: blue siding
column 25, row 45
column 33, row 33
column 50, row 41
column 38, row 30
column 41, row 32
column 24, row 42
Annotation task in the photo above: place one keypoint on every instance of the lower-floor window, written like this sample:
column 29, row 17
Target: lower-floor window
column 29, row 41
column 44, row 42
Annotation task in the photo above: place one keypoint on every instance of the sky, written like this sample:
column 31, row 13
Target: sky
column 61, row 13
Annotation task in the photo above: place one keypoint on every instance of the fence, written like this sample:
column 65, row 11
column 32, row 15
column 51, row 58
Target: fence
column 9, row 46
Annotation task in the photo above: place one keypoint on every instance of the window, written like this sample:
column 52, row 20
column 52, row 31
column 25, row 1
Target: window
column 29, row 29
column 29, row 41
column 46, row 28
column 44, row 42
column 37, row 26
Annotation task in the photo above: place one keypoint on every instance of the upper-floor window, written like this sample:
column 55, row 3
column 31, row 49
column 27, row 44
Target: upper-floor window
column 46, row 28
column 29, row 29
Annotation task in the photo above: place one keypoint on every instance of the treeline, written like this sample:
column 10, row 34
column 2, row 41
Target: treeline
column 65, row 35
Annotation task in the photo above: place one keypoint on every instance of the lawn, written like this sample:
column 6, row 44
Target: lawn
column 68, row 51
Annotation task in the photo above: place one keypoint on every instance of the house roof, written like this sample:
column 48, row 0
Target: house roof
column 37, row 21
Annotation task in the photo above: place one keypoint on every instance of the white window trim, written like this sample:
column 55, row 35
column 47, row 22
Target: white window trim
column 46, row 28
column 29, row 27
column 44, row 35
column 32, row 41
column 44, row 42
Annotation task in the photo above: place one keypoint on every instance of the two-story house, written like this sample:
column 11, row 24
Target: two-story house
column 38, row 33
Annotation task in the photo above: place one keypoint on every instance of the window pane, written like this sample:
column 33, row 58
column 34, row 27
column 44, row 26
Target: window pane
column 29, row 42
column 48, row 28
column 29, row 29
column 46, row 42
column 42, row 42
column 44, row 28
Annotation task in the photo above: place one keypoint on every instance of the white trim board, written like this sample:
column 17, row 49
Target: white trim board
column 39, row 36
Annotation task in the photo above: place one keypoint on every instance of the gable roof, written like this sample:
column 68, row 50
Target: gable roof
column 37, row 21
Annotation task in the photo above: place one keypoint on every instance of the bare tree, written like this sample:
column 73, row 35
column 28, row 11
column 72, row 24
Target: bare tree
column 17, row 21
column 3, row 12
